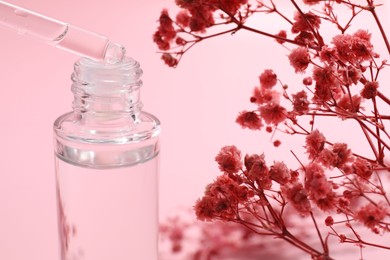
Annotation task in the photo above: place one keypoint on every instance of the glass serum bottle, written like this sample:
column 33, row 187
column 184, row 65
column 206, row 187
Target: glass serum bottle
column 106, row 158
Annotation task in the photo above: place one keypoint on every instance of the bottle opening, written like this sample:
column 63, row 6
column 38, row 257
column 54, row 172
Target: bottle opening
column 125, row 73
column 103, row 88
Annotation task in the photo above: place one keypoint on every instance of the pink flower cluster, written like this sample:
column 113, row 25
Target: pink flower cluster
column 181, row 237
column 349, row 51
column 195, row 16
column 268, row 101
column 335, row 188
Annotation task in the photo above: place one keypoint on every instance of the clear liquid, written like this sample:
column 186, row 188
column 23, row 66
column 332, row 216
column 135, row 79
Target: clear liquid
column 108, row 214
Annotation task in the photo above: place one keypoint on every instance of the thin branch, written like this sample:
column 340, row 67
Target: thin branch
column 378, row 22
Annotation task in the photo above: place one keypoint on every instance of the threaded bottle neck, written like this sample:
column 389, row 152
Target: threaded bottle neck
column 104, row 91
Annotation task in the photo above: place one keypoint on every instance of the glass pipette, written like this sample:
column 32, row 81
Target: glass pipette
column 60, row 34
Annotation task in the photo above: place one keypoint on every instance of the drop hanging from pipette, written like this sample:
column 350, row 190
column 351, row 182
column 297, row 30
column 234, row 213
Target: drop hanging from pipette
column 60, row 34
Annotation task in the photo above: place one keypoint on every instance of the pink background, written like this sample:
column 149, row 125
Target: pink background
column 197, row 104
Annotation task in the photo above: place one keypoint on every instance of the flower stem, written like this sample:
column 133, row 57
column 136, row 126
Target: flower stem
column 378, row 22
column 324, row 246
column 240, row 25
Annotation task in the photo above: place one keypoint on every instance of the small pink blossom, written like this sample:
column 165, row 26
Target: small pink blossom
column 305, row 22
column 277, row 143
column 297, row 196
column 269, row 129
column 249, row 119
column 344, row 154
column 264, row 95
column 329, row 221
column 362, row 46
column 299, row 59
column 257, row 170
column 307, row 81
column 282, row 34
column 280, row 173
column 300, row 102
column 363, row 35
column 268, row 79
column 327, row 84
column 320, row 190
column 229, row 159
column 315, row 142
column 371, row 215
column 337, row 156
column 327, row 158
column 328, row 54
column 362, row 168
column 370, row 90
column 183, row 18
column 351, row 75
column 305, row 38
column 201, row 18
column 165, row 32
column 204, row 208
column 349, row 104
column 180, row 41
column 169, row 60
column 221, row 199
column 325, row 76
column 273, row 113
column 343, row 204
column 354, row 48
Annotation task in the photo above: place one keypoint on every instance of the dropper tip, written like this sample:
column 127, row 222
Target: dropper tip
column 115, row 53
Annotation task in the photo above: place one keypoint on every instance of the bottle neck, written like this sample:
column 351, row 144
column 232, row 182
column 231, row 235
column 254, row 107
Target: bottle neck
column 106, row 92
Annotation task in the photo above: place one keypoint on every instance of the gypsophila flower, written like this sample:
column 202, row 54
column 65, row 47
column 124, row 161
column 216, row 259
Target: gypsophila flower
column 273, row 113
column 315, row 142
column 183, row 18
column 328, row 54
column 329, row 221
column 169, row 60
column 305, row 23
column 319, row 188
column 268, row 79
column 204, row 208
column 297, row 196
column 264, row 95
column 299, row 59
column 343, row 153
column 277, row 143
column 372, row 215
column 354, row 48
column 282, row 35
column 249, row 119
column 349, row 104
column 307, row 81
column 257, row 170
column 327, row 85
column 300, row 102
column 166, row 32
column 370, row 89
column 229, row 159
column 305, row 38
column 362, row 168
column 280, row 173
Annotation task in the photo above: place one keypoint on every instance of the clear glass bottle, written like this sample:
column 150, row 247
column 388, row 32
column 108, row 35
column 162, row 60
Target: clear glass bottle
column 107, row 166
